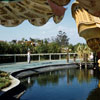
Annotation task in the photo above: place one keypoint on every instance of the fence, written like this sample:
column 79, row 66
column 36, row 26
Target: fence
column 6, row 58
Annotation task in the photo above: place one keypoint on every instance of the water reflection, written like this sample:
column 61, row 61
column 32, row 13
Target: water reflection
column 61, row 84
column 70, row 74
column 48, row 78
column 28, row 82
column 81, row 76
column 69, row 77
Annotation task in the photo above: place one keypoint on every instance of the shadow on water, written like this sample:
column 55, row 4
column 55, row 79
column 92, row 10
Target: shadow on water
column 74, row 78
column 13, row 94
column 95, row 93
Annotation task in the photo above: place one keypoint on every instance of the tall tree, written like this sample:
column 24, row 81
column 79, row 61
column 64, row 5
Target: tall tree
column 33, row 40
column 62, row 39
column 23, row 39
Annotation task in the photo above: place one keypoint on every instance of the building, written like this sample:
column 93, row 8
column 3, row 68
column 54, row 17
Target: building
column 28, row 43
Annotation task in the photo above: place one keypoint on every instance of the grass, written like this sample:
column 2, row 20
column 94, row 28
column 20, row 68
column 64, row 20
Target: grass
column 4, row 80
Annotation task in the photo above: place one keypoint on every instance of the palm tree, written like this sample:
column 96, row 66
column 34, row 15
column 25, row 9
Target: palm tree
column 83, row 53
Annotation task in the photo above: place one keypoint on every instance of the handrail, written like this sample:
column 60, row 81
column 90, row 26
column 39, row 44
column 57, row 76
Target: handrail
column 41, row 54
column 36, row 54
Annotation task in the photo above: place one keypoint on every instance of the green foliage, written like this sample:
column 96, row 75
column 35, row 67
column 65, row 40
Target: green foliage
column 48, row 48
column 14, row 48
column 83, row 52
column 81, row 49
column 42, row 48
column 54, row 45
column 4, row 80
column 72, row 47
column 54, row 48
column 62, row 39
column 4, row 47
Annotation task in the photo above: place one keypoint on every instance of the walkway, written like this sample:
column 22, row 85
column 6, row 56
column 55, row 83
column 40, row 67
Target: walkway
column 13, row 67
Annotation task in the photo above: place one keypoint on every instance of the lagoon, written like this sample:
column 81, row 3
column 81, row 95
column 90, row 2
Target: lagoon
column 69, row 84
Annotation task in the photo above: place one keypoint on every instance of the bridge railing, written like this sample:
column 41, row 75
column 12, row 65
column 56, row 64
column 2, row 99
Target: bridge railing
column 39, row 57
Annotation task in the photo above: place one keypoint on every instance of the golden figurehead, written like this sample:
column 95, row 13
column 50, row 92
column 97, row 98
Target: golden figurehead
column 88, row 26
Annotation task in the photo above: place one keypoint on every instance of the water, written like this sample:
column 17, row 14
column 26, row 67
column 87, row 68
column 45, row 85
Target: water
column 69, row 84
